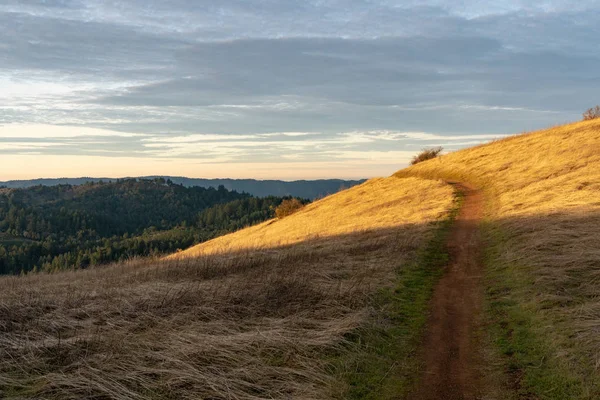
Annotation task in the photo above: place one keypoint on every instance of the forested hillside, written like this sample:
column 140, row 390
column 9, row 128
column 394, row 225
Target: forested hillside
column 65, row 226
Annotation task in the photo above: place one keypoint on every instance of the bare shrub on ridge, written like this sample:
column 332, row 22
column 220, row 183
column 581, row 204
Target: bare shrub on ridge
column 591, row 113
column 426, row 154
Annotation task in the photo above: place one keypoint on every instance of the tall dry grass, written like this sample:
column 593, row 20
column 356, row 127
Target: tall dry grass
column 255, row 322
column 544, row 213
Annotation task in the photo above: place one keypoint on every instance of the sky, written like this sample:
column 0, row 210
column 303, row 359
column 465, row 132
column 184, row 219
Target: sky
column 290, row 89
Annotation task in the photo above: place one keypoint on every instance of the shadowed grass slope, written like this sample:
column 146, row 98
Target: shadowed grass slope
column 544, row 255
column 257, row 314
column 386, row 360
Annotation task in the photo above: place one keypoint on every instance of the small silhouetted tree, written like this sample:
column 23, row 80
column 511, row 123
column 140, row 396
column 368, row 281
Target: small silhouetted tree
column 592, row 113
column 288, row 207
column 426, row 154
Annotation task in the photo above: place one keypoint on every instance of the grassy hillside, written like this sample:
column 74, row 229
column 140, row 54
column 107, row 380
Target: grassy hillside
column 543, row 227
column 378, row 204
column 274, row 311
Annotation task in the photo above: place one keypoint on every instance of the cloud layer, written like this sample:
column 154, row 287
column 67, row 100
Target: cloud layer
column 235, row 81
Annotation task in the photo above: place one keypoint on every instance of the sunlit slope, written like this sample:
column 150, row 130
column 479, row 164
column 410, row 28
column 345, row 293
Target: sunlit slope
column 543, row 171
column 381, row 203
column 543, row 222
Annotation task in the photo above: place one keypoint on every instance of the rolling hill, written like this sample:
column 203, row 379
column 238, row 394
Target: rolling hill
column 332, row 301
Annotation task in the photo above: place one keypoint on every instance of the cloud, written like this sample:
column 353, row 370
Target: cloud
column 40, row 42
column 35, row 131
column 382, row 145
column 26, row 145
column 364, row 72
column 196, row 138
column 368, row 145
column 420, row 136
column 453, row 76
column 222, row 148
column 376, row 157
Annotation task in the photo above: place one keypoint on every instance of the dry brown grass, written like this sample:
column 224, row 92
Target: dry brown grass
column 544, row 192
column 252, row 315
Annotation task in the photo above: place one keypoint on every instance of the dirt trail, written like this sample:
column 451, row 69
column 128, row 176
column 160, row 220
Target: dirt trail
column 451, row 353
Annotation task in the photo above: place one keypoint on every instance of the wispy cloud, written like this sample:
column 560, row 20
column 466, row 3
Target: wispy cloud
column 188, row 139
column 303, row 145
column 36, row 131
column 377, row 157
column 26, row 145
column 417, row 136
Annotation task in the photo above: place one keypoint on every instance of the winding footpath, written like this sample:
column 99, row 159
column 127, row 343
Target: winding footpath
column 450, row 351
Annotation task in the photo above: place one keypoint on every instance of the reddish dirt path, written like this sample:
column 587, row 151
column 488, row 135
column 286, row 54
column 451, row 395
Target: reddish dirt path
column 451, row 354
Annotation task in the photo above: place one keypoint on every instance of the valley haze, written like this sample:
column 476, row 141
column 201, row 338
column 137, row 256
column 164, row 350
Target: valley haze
column 305, row 189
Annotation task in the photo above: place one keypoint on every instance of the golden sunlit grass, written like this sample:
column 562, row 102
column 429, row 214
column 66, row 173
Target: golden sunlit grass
column 544, row 226
column 380, row 203
column 256, row 322
column 544, row 171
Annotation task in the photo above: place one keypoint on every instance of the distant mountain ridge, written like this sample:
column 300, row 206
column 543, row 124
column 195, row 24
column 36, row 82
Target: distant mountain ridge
column 310, row 189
